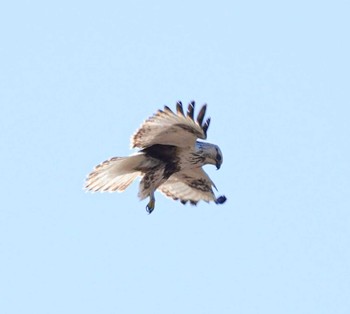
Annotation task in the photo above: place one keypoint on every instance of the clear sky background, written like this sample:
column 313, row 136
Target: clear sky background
column 77, row 78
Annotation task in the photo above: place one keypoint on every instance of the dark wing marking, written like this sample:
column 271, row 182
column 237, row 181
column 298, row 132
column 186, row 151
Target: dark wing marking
column 165, row 153
column 190, row 110
column 179, row 108
column 201, row 114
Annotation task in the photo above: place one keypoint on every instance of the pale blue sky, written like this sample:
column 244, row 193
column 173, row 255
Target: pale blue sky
column 77, row 78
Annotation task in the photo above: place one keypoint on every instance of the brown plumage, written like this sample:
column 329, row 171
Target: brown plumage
column 170, row 159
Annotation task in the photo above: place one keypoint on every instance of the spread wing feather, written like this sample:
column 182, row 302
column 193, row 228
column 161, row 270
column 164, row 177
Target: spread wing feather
column 193, row 185
column 169, row 128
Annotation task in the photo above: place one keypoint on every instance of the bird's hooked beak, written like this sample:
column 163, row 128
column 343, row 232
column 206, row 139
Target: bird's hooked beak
column 218, row 161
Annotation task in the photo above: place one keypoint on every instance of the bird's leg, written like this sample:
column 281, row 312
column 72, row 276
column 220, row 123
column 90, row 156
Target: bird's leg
column 151, row 204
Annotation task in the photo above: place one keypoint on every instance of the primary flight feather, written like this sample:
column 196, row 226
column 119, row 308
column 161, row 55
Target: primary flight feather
column 170, row 160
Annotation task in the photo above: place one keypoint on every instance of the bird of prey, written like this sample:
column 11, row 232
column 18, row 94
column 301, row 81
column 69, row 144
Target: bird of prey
column 170, row 160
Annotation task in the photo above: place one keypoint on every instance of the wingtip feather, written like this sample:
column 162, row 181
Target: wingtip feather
column 201, row 114
column 167, row 109
column 190, row 110
column 206, row 126
column 179, row 108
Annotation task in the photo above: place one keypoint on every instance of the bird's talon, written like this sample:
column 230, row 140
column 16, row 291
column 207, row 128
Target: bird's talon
column 150, row 206
column 221, row 199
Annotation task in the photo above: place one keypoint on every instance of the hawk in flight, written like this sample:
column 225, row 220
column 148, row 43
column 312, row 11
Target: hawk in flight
column 170, row 160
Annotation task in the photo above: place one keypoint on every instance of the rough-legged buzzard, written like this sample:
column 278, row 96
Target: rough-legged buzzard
column 170, row 160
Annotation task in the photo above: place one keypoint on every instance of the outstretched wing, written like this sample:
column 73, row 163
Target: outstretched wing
column 190, row 185
column 169, row 128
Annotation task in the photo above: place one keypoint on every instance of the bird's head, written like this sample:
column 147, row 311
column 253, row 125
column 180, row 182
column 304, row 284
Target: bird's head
column 212, row 153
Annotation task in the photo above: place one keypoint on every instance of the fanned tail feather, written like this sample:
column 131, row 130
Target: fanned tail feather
column 115, row 174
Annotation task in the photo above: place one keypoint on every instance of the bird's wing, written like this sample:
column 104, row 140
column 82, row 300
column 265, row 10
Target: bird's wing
column 190, row 185
column 169, row 128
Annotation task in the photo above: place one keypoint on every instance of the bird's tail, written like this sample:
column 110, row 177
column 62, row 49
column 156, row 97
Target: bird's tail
column 115, row 174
